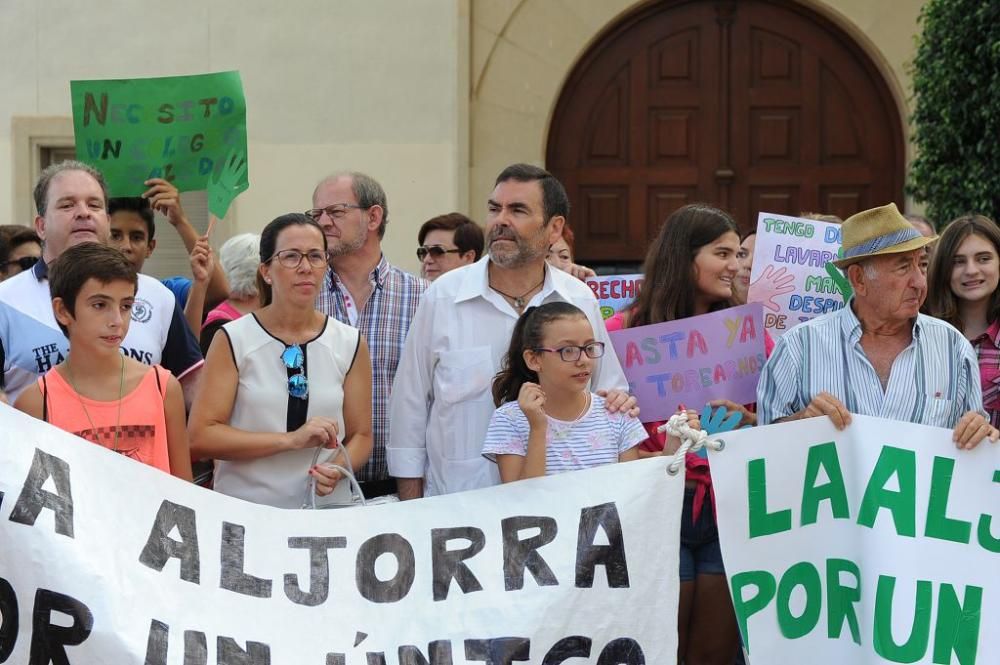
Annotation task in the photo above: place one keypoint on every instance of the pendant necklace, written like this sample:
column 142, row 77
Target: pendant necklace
column 518, row 300
column 121, row 392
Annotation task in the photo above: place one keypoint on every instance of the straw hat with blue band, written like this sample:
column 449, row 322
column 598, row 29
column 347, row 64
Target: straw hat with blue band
column 877, row 232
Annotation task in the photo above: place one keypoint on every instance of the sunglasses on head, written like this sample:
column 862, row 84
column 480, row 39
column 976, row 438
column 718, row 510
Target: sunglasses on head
column 435, row 251
column 25, row 262
column 298, row 382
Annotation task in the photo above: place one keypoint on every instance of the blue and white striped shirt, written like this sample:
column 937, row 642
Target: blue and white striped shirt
column 934, row 381
column 595, row 438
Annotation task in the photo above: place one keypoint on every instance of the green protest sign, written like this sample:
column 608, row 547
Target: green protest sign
column 875, row 544
column 179, row 128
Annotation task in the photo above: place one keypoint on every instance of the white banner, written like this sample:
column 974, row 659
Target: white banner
column 878, row 544
column 107, row 561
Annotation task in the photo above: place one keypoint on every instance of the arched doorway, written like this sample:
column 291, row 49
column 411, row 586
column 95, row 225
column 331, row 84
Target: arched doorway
column 760, row 105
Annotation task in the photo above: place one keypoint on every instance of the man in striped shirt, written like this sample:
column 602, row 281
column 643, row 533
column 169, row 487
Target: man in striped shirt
column 878, row 356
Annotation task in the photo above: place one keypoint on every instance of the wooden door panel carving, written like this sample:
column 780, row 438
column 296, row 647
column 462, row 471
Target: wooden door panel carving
column 760, row 105
column 774, row 136
column 607, row 129
column 663, row 200
column 673, row 136
column 774, row 60
column 673, row 61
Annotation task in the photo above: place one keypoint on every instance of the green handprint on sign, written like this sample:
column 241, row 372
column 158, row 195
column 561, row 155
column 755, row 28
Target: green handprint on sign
column 231, row 181
column 839, row 280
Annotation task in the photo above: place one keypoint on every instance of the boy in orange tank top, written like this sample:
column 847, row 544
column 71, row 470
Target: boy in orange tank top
column 98, row 393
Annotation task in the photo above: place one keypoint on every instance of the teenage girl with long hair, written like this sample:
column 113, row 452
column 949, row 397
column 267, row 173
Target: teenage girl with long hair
column 962, row 290
column 690, row 270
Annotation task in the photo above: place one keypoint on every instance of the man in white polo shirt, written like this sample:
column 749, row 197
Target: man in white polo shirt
column 71, row 198
column 441, row 402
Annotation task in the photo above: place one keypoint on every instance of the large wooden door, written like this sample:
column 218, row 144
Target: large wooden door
column 759, row 105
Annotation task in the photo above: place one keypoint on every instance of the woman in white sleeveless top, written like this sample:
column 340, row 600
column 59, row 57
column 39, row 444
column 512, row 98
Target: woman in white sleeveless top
column 284, row 381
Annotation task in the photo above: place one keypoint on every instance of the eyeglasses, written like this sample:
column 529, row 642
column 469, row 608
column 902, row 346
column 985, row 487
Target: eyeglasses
column 25, row 262
column 295, row 359
column 436, row 251
column 571, row 354
column 334, row 212
column 292, row 258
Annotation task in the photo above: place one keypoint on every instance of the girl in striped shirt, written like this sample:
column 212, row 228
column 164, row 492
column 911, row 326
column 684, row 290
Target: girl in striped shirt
column 548, row 420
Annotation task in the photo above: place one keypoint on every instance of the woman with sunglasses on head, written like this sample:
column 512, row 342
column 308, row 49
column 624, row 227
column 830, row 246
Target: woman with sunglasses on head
column 447, row 242
column 962, row 290
column 690, row 270
column 256, row 414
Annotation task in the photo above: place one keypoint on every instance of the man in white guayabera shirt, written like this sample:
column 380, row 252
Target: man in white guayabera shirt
column 441, row 401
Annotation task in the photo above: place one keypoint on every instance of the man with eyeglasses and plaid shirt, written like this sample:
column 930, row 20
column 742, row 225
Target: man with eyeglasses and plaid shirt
column 364, row 290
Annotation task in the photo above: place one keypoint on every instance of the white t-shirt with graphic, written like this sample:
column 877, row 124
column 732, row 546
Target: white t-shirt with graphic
column 31, row 342
column 595, row 438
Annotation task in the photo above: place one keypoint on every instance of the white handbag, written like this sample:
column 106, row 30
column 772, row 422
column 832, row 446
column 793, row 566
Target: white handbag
column 347, row 493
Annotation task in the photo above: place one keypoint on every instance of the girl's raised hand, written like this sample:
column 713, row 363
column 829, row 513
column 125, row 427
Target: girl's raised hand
column 531, row 399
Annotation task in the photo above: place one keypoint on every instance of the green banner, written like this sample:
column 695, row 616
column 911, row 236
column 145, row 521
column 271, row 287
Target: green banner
column 179, row 128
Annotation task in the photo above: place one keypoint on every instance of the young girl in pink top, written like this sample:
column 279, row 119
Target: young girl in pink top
column 98, row 393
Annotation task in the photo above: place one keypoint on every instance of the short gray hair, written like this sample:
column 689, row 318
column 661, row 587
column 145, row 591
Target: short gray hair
column 367, row 191
column 868, row 265
column 239, row 257
column 51, row 171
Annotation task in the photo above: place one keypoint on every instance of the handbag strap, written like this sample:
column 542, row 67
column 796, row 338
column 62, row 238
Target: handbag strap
column 309, row 500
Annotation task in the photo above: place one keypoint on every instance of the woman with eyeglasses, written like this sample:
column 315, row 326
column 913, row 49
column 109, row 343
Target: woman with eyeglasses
column 20, row 249
column 284, row 381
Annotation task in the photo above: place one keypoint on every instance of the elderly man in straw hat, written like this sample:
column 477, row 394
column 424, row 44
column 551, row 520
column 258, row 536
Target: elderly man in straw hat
column 878, row 356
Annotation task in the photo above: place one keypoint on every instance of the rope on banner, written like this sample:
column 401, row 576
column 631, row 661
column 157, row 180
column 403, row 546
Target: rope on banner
column 692, row 440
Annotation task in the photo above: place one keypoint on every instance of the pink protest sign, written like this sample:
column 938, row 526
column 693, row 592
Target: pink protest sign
column 693, row 360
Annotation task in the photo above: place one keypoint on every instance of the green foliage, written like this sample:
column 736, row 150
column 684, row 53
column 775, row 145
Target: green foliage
column 956, row 86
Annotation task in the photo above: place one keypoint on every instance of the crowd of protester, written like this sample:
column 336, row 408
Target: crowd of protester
column 318, row 357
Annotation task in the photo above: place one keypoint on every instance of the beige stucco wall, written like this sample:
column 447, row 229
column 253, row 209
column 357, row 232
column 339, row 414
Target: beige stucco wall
column 432, row 97
column 523, row 51
column 371, row 85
